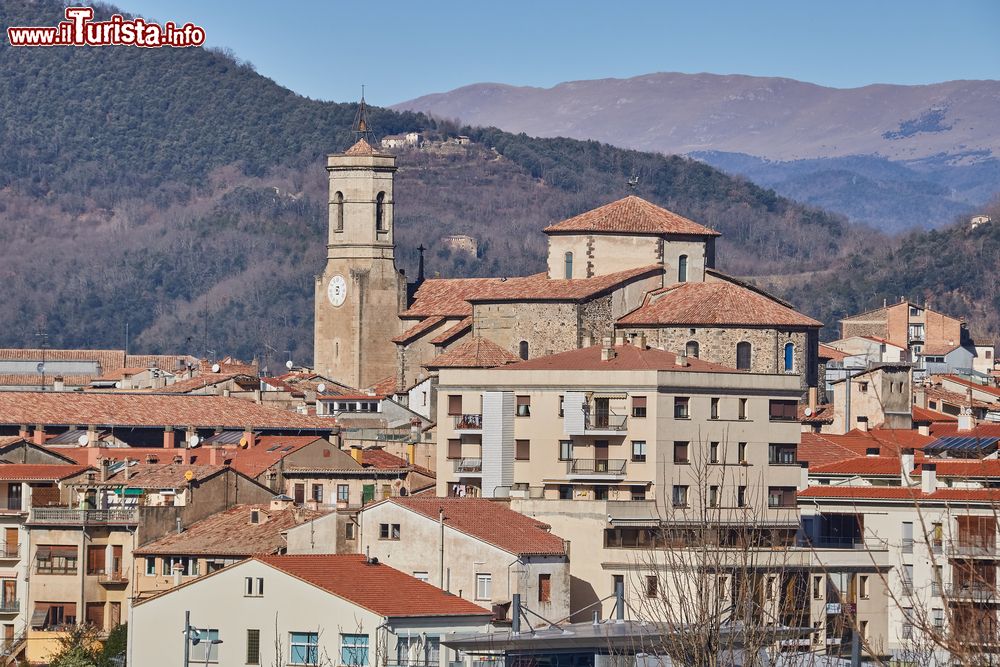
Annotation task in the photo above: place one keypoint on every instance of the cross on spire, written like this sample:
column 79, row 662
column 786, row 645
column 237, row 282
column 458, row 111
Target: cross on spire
column 361, row 130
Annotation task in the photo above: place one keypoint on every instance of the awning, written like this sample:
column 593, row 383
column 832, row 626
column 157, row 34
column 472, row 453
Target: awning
column 129, row 492
column 39, row 615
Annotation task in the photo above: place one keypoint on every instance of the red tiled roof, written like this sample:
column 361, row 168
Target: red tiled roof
column 900, row 493
column 938, row 349
column 454, row 297
column 925, row 415
column 820, row 449
column 822, row 414
column 255, row 460
column 167, row 362
column 714, row 303
column 418, row 329
column 993, row 391
column 474, row 352
column 362, row 147
column 35, row 380
column 817, row 450
column 876, row 466
column 163, row 475
column 383, row 460
column 936, row 393
column 631, row 215
column 456, row 330
column 146, row 409
column 230, row 533
column 49, row 472
column 942, row 429
column 627, row 358
column 491, row 522
column 827, row 352
column 376, row 587
column 108, row 359
column 206, row 380
column 385, row 386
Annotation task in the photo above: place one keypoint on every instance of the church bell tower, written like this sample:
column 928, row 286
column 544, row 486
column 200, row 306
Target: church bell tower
column 360, row 293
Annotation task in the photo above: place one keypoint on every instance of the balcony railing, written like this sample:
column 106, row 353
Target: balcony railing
column 605, row 422
column 10, row 606
column 835, row 542
column 112, row 578
column 973, row 547
column 977, row 592
column 907, row 545
column 596, row 466
column 469, row 465
column 72, row 517
column 8, row 551
column 468, row 422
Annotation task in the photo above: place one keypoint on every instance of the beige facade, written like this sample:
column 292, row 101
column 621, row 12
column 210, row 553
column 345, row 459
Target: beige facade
column 881, row 397
column 907, row 325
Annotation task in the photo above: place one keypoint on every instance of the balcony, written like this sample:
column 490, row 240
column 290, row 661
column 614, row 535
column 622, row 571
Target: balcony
column 604, row 424
column 596, row 467
column 64, row 516
column 112, row 578
column 976, row 592
column 10, row 606
column 838, row 542
column 973, row 547
column 10, row 551
column 470, row 423
column 469, row 466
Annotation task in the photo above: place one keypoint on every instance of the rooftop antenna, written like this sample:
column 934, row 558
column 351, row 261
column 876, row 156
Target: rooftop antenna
column 43, row 336
column 633, row 181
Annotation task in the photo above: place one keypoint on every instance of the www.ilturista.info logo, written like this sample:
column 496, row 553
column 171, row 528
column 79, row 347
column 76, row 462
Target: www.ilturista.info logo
column 80, row 30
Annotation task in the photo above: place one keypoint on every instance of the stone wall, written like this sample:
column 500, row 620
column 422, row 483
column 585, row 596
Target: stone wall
column 547, row 327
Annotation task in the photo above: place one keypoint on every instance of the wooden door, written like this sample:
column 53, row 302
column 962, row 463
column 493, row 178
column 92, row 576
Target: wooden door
column 601, row 456
column 9, row 593
column 95, row 614
column 300, row 494
column 10, row 543
column 602, row 412
column 116, row 561
column 116, row 614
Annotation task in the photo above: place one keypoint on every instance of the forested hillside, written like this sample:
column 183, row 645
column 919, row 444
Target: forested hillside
column 182, row 194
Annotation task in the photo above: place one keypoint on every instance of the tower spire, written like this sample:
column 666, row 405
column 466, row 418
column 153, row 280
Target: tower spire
column 361, row 130
column 420, row 267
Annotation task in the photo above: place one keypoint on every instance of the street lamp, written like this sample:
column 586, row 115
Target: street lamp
column 192, row 637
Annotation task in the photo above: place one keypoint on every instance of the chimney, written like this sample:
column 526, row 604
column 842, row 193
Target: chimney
column 587, row 340
column 966, row 422
column 871, row 451
column 803, row 475
column 924, row 429
column 358, row 454
column 640, row 341
column 58, row 384
column 862, row 422
column 619, row 340
column 920, row 396
column 92, row 436
column 104, row 469
column 128, row 469
column 928, row 477
column 813, row 399
column 607, row 351
column 24, row 432
column 178, row 571
column 179, row 524
column 178, row 459
column 682, row 359
column 39, row 434
column 906, row 464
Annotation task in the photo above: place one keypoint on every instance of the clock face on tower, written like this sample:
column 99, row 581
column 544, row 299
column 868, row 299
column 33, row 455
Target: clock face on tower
column 337, row 291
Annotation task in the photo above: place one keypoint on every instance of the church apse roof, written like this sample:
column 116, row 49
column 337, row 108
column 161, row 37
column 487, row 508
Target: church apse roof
column 631, row 215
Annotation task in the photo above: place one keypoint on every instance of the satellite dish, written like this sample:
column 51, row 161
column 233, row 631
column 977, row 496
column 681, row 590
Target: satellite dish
column 807, row 412
column 118, row 385
column 83, row 440
column 216, row 368
column 289, row 365
column 244, row 443
column 40, row 367
column 321, row 387
column 189, row 475
column 193, row 441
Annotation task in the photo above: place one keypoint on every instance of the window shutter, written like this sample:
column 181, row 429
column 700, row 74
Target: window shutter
column 638, row 401
column 455, row 405
column 454, row 449
column 523, row 400
column 522, row 449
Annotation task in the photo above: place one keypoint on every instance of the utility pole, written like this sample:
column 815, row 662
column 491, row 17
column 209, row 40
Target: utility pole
column 187, row 638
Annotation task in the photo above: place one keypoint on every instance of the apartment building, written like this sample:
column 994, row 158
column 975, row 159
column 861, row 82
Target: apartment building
column 475, row 548
column 304, row 610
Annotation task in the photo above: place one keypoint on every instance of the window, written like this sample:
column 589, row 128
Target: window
column 349, row 531
column 682, row 269
column 713, row 496
column 783, row 411
column 714, row 412
column 544, row 587
column 421, row 576
column 253, row 587
column 713, row 452
column 681, row 407
column 380, row 212
column 789, row 357
column 741, row 452
column 484, row 586
column 56, row 559
column 741, row 496
column 618, row 581
column 638, row 493
column 769, row 590
column 691, row 349
column 207, row 648
column 781, row 496
column 338, row 211
column 317, row 492
column 188, row 567
column 681, row 452
column 253, row 643
column 568, row 258
column 388, row 531
column 565, row 492
column 652, row 585
column 863, row 592
column 600, row 493
column 562, row 400
column 639, row 451
column 522, row 349
column 638, row 406
column 150, row 566
column 454, row 448
column 863, row 629
column 680, row 495
column 742, row 414
column 937, row 618
column 523, row 405
column 782, row 454
column 95, row 558
column 454, row 405
column 907, row 577
column 565, row 450
column 343, row 493
column 743, row 351
column 522, row 449
column 818, row 587
column 353, row 648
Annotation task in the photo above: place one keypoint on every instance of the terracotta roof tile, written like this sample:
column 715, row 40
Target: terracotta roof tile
column 418, row 329
column 474, row 352
column 39, row 471
column 936, row 393
column 820, row 449
column 163, row 475
column 822, row 414
column 909, row 494
column 385, row 386
column 631, row 215
column 376, row 587
column 933, row 349
column 452, row 332
column 994, row 391
column 942, row 429
column 207, row 380
column 35, row 380
column 362, row 147
column 491, row 522
column 827, row 352
column 267, row 451
column 230, row 533
column 714, row 303
column 924, row 415
column 627, row 357
column 167, row 362
column 147, row 409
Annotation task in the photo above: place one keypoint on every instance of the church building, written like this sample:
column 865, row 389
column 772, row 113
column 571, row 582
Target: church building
column 627, row 270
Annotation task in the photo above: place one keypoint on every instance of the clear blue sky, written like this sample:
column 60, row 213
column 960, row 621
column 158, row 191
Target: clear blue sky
column 327, row 48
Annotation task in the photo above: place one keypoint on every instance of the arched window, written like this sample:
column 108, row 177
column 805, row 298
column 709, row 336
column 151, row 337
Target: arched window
column 523, row 349
column 338, row 211
column 380, row 212
column 682, row 269
column 789, row 357
column 569, row 265
column 743, row 356
column 691, row 349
